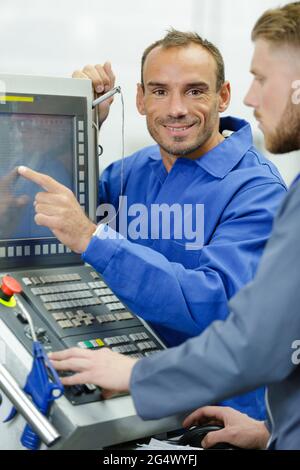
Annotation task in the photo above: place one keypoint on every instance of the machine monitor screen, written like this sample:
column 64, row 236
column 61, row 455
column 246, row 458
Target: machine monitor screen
column 44, row 143
column 49, row 133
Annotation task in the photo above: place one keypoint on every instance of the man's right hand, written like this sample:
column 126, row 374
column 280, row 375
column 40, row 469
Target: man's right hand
column 239, row 428
column 103, row 80
column 105, row 368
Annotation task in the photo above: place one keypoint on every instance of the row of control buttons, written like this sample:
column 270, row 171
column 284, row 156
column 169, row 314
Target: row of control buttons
column 114, row 306
column 99, row 287
column 109, row 299
column 81, row 159
column 126, row 348
column 75, row 319
column 91, row 344
column 27, row 250
column 78, row 286
column 146, row 345
column 72, row 303
column 121, row 344
column 66, row 296
column 51, row 279
column 138, row 336
column 97, row 284
column 113, row 340
column 8, row 252
column 112, row 317
column 124, row 339
column 103, row 291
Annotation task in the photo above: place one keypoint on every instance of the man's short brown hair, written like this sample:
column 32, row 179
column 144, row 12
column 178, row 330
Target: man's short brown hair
column 175, row 38
column 279, row 25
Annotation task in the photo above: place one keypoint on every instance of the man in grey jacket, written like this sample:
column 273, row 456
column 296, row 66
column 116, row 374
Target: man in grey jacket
column 259, row 343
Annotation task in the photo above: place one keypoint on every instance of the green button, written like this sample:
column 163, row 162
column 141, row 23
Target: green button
column 88, row 344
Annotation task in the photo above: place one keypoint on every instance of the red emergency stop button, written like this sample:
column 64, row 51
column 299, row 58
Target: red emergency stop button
column 10, row 286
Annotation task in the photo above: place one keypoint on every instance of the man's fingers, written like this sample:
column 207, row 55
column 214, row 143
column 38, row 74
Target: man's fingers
column 45, row 181
column 49, row 209
column 68, row 353
column 102, row 76
column 55, row 199
column 110, row 74
column 50, row 221
column 105, row 78
column 215, row 437
column 74, row 364
column 203, row 415
column 98, row 77
column 79, row 378
column 80, row 74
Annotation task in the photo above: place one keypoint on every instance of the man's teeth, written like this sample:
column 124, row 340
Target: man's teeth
column 174, row 129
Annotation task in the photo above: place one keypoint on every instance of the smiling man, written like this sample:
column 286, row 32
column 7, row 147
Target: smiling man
column 199, row 159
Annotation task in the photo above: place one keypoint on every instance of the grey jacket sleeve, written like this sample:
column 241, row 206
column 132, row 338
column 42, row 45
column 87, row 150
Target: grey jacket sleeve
column 253, row 347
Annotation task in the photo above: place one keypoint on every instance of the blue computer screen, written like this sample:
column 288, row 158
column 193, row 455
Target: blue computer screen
column 44, row 143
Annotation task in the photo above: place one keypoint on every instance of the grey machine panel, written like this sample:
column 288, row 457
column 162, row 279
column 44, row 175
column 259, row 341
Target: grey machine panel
column 55, row 281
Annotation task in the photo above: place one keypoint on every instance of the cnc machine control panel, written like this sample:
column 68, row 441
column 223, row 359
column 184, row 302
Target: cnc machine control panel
column 72, row 306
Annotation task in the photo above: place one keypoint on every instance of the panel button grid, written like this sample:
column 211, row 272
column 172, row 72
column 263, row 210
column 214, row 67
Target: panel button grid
column 66, row 297
column 124, row 344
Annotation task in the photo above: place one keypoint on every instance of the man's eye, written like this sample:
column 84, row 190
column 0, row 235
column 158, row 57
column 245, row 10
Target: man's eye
column 159, row 92
column 195, row 92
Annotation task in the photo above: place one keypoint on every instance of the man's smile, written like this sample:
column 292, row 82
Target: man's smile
column 178, row 130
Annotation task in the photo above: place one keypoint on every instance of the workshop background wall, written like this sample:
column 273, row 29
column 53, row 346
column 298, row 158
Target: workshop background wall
column 55, row 37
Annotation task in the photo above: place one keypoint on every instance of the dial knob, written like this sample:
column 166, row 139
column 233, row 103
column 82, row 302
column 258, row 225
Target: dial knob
column 9, row 287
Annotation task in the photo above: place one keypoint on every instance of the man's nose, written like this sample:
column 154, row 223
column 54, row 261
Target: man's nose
column 251, row 97
column 177, row 105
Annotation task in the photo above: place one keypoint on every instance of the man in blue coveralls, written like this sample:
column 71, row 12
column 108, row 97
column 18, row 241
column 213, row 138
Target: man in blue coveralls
column 199, row 159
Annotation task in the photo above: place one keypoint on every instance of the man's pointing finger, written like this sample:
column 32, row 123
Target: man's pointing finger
column 46, row 182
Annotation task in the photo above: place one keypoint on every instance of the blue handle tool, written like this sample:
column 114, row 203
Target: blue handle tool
column 43, row 386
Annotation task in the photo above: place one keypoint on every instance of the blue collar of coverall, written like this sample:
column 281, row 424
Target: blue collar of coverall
column 220, row 160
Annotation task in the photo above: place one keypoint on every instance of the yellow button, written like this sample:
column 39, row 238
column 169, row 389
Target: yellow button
column 10, row 303
column 99, row 342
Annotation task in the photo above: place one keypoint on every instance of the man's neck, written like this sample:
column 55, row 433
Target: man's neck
column 169, row 160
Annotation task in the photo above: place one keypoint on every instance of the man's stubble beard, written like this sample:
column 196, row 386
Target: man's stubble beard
column 206, row 133
column 286, row 137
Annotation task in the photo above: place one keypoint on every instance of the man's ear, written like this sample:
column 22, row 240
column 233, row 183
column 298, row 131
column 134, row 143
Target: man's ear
column 140, row 99
column 224, row 97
